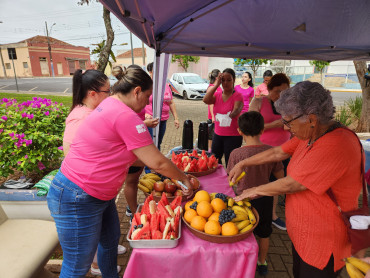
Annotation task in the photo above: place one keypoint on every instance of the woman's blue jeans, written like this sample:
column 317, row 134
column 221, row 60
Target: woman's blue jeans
column 83, row 224
column 162, row 131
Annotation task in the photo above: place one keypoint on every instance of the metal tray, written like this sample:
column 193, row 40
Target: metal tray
column 153, row 243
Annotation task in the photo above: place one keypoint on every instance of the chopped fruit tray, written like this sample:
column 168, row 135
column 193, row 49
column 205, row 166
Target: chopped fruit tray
column 162, row 224
column 220, row 238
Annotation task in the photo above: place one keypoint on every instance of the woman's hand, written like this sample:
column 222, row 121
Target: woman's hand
column 148, row 116
column 151, row 122
column 235, row 172
column 249, row 193
column 177, row 123
column 218, row 80
column 189, row 191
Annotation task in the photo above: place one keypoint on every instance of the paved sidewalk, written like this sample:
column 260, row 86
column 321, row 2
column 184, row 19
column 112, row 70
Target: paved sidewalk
column 279, row 257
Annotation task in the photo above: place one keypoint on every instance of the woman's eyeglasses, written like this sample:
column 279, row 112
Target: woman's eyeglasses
column 287, row 123
column 109, row 92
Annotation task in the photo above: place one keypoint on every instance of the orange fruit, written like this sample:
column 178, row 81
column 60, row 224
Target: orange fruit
column 202, row 195
column 229, row 229
column 214, row 216
column 204, row 209
column 212, row 227
column 198, row 223
column 189, row 215
column 218, row 205
column 188, row 204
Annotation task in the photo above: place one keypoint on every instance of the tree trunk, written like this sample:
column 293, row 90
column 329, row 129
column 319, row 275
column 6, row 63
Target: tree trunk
column 364, row 122
column 104, row 54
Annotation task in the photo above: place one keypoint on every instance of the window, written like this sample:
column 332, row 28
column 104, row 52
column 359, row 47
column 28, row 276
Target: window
column 7, row 66
column 43, row 59
column 25, row 65
column 82, row 64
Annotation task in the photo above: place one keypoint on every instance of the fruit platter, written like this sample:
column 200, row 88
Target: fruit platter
column 195, row 163
column 156, row 185
column 156, row 225
column 217, row 218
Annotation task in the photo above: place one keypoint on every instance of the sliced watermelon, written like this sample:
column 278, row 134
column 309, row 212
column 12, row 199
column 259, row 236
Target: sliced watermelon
column 162, row 210
column 164, row 200
column 176, row 202
column 154, row 223
column 177, row 223
column 133, row 223
column 137, row 218
column 157, row 235
column 162, row 222
column 144, row 233
column 145, row 209
column 173, row 235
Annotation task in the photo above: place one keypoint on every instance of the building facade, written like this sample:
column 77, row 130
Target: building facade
column 33, row 58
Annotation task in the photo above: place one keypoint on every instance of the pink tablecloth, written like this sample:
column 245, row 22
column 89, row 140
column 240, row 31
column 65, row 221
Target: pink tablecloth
column 194, row 257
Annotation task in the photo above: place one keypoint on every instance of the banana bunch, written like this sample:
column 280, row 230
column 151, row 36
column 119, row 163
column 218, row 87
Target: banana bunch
column 240, row 212
column 245, row 218
column 356, row 268
column 146, row 183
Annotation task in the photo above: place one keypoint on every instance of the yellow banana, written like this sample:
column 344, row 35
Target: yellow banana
column 247, row 204
column 237, row 179
column 152, row 176
column 147, row 184
column 246, row 229
column 251, row 216
column 212, row 195
column 230, row 202
column 238, row 209
column 239, row 217
column 143, row 188
column 242, row 224
column 361, row 265
column 240, row 203
column 353, row 272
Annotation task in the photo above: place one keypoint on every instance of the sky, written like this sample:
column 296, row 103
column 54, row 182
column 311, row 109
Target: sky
column 74, row 24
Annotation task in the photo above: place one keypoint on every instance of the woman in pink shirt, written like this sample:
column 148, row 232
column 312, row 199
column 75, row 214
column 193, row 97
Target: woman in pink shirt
column 211, row 116
column 261, row 89
column 82, row 195
column 274, row 133
column 227, row 108
column 246, row 89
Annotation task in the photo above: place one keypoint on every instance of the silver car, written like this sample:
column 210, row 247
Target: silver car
column 188, row 85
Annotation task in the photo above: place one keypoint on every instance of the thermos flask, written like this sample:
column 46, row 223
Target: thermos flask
column 187, row 135
column 203, row 136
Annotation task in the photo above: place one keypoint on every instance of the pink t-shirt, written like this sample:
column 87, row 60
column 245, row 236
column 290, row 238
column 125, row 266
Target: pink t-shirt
column 247, row 94
column 73, row 121
column 261, row 90
column 101, row 152
column 219, row 90
column 273, row 136
column 221, row 107
column 165, row 107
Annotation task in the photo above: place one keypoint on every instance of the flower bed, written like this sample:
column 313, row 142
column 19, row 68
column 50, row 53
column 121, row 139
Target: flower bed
column 31, row 135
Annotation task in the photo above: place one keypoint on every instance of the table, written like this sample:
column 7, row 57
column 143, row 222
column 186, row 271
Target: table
column 194, row 257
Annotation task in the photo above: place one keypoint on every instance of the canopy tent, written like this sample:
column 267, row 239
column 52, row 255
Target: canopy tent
column 277, row 29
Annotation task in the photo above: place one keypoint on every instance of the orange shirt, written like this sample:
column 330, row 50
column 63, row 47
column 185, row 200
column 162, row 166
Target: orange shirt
column 313, row 222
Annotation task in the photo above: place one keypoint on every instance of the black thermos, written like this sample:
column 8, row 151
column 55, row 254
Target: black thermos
column 187, row 135
column 203, row 136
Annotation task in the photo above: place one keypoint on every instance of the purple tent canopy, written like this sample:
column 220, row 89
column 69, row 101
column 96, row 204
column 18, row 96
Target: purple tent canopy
column 278, row 29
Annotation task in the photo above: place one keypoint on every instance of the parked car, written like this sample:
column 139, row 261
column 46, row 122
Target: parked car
column 188, row 85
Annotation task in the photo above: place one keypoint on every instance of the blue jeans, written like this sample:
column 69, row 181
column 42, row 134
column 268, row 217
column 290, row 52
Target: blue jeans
column 83, row 224
column 162, row 130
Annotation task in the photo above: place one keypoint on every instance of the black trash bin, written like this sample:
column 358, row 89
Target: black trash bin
column 187, row 135
column 203, row 136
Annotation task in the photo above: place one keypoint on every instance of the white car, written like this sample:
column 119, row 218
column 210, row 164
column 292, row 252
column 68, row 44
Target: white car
column 188, row 85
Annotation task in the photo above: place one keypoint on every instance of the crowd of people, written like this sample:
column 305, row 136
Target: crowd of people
column 290, row 148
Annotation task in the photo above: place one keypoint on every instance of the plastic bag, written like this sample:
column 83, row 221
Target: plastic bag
column 44, row 184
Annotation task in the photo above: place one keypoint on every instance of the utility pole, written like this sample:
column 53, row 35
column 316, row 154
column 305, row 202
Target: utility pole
column 49, row 47
column 142, row 45
column 132, row 49
column 2, row 62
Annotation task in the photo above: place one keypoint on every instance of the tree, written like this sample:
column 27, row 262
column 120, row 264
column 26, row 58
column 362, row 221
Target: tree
column 320, row 66
column 99, row 48
column 364, row 122
column 107, row 47
column 253, row 63
column 184, row 60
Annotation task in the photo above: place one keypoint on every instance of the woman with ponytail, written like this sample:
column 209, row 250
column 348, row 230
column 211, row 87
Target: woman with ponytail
column 82, row 195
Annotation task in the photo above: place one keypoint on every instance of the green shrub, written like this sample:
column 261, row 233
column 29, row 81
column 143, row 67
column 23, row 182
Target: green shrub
column 344, row 116
column 31, row 135
column 355, row 107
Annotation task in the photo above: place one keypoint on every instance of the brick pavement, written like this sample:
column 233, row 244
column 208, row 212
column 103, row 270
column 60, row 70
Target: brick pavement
column 279, row 257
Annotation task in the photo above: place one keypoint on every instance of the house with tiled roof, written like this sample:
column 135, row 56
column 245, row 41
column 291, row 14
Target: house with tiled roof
column 124, row 59
column 32, row 58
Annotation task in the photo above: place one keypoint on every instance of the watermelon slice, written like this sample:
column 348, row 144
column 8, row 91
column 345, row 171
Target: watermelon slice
column 176, row 202
column 154, row 224
column 164, row 200
column 157, row 235
column 162, row 222
column 145, row 209
column 177, row 223
column 144, row 232
column 133, row 223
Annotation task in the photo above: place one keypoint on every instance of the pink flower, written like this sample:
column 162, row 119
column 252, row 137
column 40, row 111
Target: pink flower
column 41, row 166
column 4, row 118
column 47, row 113
column 24, row 115
column 11, row 134
column 5, row 100
column 19, row 162
column 1, row 130
column 26, row 156
column 30, row 116
column 60, row 148
column 28, row 142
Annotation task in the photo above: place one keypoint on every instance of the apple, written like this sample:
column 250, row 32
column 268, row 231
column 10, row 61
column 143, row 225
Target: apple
column 166, row 181
column 158, row 186
column 170, row 187
column 168, row 194
column 178, row 193
column 156, row 193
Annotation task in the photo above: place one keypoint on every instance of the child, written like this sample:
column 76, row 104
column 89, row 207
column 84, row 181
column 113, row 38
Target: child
column 251, row 126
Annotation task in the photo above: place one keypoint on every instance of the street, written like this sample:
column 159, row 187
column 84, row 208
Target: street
column 64, row 85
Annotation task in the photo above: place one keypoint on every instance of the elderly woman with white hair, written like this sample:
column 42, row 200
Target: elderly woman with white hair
column 324, row 155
